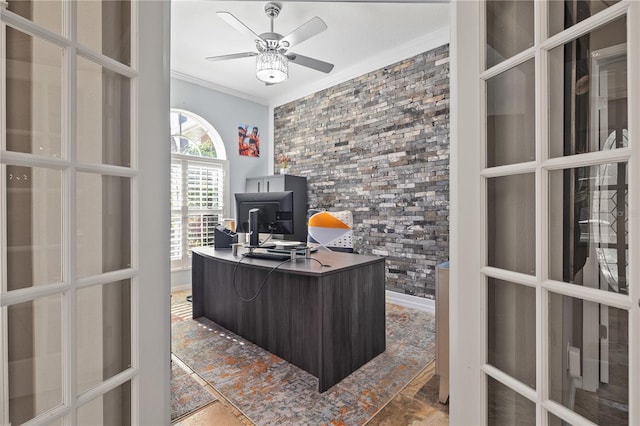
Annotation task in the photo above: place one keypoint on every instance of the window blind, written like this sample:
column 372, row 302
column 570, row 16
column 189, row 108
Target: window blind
column 196, row 206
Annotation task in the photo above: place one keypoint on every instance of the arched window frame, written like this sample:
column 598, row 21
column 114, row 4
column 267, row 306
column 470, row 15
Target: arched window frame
column 195, row 210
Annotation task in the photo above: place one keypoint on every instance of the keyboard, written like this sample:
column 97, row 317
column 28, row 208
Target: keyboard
column 268, row 256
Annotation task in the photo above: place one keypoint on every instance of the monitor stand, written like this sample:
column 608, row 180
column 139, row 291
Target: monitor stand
column 254, row 236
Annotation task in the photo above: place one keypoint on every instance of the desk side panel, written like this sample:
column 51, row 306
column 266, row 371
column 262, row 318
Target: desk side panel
column 197, row 288
column 353, row 321
column 283, row 319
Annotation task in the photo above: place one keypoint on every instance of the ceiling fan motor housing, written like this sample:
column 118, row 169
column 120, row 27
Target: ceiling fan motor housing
column 272, row 40
column 272, row 9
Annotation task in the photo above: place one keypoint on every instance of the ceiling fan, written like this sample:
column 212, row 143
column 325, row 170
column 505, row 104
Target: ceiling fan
column 272, row 53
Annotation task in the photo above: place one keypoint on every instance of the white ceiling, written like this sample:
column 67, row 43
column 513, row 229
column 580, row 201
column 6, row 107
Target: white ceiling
column 361, row 37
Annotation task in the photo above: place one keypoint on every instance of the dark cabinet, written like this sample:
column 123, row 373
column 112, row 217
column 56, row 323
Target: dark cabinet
column 274, row 183
column 277, row 183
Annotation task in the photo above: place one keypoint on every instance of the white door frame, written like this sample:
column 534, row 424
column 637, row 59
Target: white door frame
column 468, row 330
column 151, row 394
column 465, row 297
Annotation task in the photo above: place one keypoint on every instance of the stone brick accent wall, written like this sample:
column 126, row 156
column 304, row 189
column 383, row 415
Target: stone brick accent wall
column 378, row 145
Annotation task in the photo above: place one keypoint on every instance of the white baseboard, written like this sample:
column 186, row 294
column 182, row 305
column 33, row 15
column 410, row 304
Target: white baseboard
column 413, row 302
column 181, row 279
column 181, row 287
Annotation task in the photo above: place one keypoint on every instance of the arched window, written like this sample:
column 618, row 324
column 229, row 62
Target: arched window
column 198, row 169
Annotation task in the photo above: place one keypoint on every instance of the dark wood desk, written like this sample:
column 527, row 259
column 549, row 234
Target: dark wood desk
column 328, row 321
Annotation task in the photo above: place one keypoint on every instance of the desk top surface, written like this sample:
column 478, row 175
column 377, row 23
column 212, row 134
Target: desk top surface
column 335, row 261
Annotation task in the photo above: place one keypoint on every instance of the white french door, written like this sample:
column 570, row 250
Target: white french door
column 78, row 113
column 546, row 272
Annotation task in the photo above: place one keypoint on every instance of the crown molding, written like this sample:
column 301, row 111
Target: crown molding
column 208, row 85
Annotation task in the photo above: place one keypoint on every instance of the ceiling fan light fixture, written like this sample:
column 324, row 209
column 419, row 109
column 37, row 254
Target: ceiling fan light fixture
column 272, row 67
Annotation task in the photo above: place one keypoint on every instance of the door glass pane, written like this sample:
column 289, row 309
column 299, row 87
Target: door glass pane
column 47, row 14
column 556, row 421
column 511, row 126
column 589, row 226
column 507, row 407
column 34, row 226
column 566, row 13
column 112, row 408
column 512, row 329
column 34, row 342
column 103, row 333
column 103, row 219
column 589, row 359
column 34, row 92
column 105, row 27
column 103, row 130
column 588, row 92
column 511, row 223
column 509, row 29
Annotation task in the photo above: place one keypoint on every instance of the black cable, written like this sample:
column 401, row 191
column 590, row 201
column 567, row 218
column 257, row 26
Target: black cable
column 321, row 264
column 264, row 281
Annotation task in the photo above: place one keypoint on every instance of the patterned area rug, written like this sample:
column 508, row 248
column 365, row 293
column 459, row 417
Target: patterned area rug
column 269, row 390
column 187, row 395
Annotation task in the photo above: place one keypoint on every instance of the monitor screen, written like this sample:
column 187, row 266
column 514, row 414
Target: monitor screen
column 275, row 211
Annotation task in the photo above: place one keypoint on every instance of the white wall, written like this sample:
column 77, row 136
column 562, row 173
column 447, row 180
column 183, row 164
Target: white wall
column 224, row 112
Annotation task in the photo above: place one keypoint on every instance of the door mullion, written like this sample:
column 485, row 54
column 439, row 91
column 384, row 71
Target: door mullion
column 69, row 306
column 482, row 278
column 4, row 353
column 633, row 65
column 542, row 218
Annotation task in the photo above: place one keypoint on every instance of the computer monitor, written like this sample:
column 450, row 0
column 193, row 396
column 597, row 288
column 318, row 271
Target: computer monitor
column 274, row 213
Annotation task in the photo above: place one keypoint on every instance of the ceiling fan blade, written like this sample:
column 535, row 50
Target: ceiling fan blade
column 305, row 61
column 239, row 26
column 231, row 56
column 303, row 32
